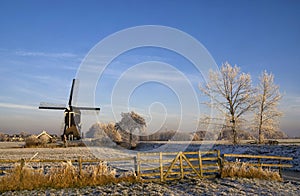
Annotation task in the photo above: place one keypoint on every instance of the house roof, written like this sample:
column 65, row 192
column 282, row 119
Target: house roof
column 44, row 133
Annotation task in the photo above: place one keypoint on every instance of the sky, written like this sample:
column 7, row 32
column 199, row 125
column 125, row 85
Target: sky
column 43, row 44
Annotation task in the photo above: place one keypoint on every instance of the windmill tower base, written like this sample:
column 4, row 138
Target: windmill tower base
column 72, row 133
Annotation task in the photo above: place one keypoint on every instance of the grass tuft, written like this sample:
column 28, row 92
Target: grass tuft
column 245, row 170
column 64, row 176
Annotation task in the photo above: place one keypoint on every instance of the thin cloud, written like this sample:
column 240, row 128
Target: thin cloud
column 45, row 54
column 17, row 106
column 159, row 75
column 290, row 103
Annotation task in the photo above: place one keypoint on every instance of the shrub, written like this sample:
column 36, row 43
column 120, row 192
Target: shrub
column 31, row 141
column 104, row 133
column 43, row 140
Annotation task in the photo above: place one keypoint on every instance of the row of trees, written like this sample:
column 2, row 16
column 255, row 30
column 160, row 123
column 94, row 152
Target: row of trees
column 125, row 132
column 233, row 95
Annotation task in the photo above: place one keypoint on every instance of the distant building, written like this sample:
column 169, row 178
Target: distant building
column 16, row 138
column 22, row 137
column 6, row 138
column 54, row 136
column 45, row 136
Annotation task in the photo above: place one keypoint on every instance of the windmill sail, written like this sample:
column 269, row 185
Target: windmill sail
column 71, row 93
column 52, row 106
column 86, row 108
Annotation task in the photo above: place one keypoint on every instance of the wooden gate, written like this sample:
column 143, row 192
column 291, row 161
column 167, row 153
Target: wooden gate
column 165, row 166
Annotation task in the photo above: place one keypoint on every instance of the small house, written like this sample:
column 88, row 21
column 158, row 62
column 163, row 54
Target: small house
column 45, row 137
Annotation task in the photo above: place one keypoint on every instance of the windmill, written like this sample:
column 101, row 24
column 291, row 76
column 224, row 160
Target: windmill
column 72, row 124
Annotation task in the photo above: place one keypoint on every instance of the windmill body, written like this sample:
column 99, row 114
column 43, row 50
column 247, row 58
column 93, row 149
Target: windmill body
column 72, row 124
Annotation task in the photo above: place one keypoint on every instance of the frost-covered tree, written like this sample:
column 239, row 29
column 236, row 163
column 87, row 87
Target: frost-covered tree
column 104, row 133
column 268, row 97
column 130, row 125
column 231, row 93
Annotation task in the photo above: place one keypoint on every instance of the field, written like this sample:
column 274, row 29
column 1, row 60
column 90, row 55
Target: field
column 226, row 186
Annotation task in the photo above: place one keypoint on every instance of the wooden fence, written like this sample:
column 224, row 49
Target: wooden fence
column 164, row 166
column 126, row 163
column 273, row 162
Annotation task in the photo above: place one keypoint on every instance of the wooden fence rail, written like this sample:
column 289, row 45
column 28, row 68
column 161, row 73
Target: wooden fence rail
column 64, row 160
column 260, row 160
column 126, row 162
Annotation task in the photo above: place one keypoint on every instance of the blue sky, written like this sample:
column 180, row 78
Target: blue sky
column 42, row 44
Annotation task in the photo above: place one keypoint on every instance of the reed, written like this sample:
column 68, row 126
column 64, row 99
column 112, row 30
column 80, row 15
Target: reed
column 65, row 175
column 245, row 170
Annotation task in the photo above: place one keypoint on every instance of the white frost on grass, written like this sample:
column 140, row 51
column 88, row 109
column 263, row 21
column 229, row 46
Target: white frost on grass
column 226, row 186
column 186, row 187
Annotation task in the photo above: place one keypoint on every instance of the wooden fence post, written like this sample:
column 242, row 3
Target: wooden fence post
column 135, row 165
column 22, row 163
column 181, row 165
column 280, row 169
column 80, row 166
column 161, row 167
column 21, row 173
column 138, row 166
column 200, row 164
column 220, row 162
